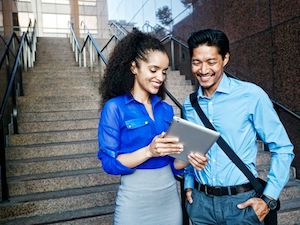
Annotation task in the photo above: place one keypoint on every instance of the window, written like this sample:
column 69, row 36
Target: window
column 56, row 1
column 55, row 23
column 87, row 2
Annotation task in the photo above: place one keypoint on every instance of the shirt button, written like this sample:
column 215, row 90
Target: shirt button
column 146, row 122
column 129, row 126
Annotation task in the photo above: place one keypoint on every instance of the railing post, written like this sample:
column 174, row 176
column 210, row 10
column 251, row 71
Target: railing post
column 91, row 54
column 172, row 55
column 84, row 56
column 21, row 80
column 28, row 54
column 4, row 185
column 100, row 66
column 80, row 53
column 14, row 107
column 76, row 53
column 24, row 53
column 185, row 217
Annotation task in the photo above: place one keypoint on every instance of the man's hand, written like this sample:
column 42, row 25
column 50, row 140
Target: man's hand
column 188, row 194
column 259, row 206
column 197, row 160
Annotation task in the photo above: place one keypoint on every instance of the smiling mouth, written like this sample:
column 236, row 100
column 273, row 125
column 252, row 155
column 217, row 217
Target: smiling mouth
column 156, row 84
column 204, row 75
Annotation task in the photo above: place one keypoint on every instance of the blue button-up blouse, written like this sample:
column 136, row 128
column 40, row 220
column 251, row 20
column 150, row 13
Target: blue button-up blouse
column 125, row 126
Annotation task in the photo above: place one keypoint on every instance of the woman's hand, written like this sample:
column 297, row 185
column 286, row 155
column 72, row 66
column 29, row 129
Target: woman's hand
column 197, row 160
column 162, row 145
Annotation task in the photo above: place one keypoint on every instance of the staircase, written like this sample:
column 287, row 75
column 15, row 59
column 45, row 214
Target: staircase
column 289, row 213
column 54, row 174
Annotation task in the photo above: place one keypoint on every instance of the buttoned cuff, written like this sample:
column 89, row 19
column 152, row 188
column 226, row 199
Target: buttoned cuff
column 188, row 181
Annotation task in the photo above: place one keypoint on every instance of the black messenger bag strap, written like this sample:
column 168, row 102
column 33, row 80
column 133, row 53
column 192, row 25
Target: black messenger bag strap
column 226, row 148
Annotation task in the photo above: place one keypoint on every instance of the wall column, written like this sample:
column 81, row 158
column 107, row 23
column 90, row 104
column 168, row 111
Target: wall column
column 7, row 17
column 75, row 16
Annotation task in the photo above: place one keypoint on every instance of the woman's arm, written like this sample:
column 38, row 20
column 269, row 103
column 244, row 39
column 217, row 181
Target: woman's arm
column 160, row 146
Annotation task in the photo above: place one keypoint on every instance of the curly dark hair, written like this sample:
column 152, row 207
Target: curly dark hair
column 118, row 78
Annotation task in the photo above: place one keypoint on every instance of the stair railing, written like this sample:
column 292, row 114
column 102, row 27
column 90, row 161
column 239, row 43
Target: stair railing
column 117, row 29
column 89, row 45
column 24, row 58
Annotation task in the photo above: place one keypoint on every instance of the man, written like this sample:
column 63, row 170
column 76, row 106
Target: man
column 239, row 111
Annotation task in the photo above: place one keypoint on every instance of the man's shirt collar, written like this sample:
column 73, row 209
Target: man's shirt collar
column 223, row 87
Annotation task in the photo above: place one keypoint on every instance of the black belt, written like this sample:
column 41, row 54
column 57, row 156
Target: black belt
column 220, row 191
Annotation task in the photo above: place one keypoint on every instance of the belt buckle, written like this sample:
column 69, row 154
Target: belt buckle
column 217, row 191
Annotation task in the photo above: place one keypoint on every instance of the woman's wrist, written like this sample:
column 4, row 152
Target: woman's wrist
column 148, row 152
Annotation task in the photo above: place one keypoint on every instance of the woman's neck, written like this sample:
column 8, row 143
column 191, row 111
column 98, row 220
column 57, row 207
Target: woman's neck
column 143, row 98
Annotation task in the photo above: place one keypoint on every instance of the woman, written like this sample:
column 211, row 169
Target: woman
column 132, row 141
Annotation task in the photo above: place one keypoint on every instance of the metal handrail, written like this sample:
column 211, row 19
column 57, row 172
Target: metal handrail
column 25, row 57
column 7, row 45
column 119, row 27
column 107, row 43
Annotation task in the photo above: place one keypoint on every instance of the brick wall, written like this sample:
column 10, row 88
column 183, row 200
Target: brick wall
column 264, row 45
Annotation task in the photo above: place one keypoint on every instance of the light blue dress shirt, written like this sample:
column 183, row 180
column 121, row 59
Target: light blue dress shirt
column 125, row 126
column 239, row 110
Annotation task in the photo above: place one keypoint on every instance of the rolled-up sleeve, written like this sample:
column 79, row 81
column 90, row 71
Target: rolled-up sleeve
column 109, row 141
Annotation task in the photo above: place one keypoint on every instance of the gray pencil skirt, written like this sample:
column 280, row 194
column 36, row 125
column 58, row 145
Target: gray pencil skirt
column 148, row 197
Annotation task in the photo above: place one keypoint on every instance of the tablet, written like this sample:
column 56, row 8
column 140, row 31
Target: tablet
column 195, row 138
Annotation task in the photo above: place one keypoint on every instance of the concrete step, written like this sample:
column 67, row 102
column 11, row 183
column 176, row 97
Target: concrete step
column 52, row 165
column 52, row 137
column 58, row 181
column 59, row 85
column 27, row 117
column 98, row 220
column 51, row 150
column 50, row 204
column 59, row 106
column 83, row 80
column 289, row 212
column 58, row 126
column 102, row 215
column 63, row 91
column 291, row 190
column 24, row 100
column 73, row 71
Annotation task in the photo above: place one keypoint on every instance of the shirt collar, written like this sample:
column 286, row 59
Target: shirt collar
column 223, row 87
column 154, row 99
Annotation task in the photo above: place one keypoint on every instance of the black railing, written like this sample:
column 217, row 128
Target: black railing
column 22, row 59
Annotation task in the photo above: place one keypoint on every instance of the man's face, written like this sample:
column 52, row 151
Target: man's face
column 207, row 67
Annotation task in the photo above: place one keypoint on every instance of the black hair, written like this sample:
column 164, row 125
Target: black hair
column 118, row 78
column 209, row 37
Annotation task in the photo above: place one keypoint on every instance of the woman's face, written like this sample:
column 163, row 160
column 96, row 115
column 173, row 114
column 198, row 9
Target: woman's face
column 150, row 74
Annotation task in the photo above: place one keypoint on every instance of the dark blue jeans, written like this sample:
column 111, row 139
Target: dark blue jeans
column 221, row 210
